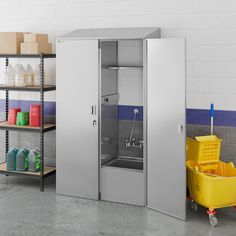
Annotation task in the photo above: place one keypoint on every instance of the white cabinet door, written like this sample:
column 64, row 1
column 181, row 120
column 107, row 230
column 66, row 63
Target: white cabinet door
column 77, row 117
column 166, row 180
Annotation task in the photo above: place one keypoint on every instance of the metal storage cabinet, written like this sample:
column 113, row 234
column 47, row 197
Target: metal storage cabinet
column 78, row 119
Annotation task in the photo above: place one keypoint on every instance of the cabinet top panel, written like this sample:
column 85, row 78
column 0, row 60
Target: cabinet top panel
column 113, row 33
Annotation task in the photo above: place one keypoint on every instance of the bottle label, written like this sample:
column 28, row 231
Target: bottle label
column 29, row 80
column 19, row 80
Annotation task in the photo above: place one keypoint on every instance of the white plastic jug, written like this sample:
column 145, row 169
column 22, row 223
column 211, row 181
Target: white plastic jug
column 9, row 76
column 20, row 76
column 29, row 76
column 37, row 76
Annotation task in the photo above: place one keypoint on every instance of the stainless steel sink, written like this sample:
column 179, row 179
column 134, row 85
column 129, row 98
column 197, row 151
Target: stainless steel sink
column 128, row 163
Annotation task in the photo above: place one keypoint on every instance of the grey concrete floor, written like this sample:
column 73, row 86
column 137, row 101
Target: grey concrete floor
column 24, row 210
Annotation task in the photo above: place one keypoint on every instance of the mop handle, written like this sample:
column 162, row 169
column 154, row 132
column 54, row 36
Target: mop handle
column 212, row 117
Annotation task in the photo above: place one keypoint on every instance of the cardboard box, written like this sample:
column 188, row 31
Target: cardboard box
column 10, row 42
column 35, row 38
column 36, row 48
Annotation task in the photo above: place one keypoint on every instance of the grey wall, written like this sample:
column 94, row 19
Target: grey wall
column 31, row 140
column 228, row 134
column 124, row 131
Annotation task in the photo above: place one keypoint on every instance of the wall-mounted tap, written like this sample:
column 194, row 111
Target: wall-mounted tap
column 131, row 142
column 134, row 143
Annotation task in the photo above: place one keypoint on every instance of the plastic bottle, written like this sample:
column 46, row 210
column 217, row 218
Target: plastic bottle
column 22, row 160
column 16, row 71
column 34, row 160
column 29, row 76
column 37, row 76
column 11, row 159
column 19, row 76
column 23, row 71
column 9, row 76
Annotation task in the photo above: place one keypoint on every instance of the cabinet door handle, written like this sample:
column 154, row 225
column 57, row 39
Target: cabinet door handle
column 180, row 129
column 93, row 110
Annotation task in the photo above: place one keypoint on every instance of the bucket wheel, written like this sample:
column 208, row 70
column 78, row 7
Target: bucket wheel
column 212, row 217
column 194, row 206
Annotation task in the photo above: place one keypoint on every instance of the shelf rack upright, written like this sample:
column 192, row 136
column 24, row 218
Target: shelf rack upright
column 44, row 171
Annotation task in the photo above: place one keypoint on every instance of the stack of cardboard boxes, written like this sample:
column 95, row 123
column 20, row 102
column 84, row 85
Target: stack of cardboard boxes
column 10, row 42
column 24, row 43
column 35, row 43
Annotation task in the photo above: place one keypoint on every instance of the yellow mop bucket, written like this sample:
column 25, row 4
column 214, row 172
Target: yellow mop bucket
column 212, row 183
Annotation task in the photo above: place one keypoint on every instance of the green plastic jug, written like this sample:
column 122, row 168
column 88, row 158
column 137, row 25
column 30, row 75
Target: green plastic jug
column 34, row 160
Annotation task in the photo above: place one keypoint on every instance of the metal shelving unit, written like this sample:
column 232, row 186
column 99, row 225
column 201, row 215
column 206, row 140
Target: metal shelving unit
column 28, row 88
column 124, row 67
column 45, row 171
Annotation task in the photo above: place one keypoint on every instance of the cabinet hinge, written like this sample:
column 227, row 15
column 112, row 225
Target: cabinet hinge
column 99, row 45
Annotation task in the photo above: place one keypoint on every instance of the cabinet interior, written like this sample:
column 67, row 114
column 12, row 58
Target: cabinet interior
column 121, row 128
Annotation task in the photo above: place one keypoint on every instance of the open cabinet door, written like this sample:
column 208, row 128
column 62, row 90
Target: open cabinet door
column 166, row 174
column 77, row 117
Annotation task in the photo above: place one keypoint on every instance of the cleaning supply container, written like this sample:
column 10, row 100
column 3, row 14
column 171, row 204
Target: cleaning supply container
column 12, row 115
column 22, row 160
column 11, row 159
column 9, row 76
column 22, row 118
column 20, row 76
column 34, row 160
column 37, row 76
column 35, row 115
column 29, row 76
column 211, row 182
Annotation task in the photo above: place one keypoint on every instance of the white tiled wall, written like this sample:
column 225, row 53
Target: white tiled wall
column 208, row 25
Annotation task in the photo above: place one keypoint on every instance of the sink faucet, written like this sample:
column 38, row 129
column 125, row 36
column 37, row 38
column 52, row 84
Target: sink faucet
column 133, row 143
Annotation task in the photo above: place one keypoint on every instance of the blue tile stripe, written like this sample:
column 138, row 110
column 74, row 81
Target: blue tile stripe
column 202, row 117
column 193, row 116
column 127, row 112
column 49, row 107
